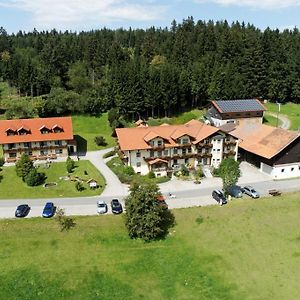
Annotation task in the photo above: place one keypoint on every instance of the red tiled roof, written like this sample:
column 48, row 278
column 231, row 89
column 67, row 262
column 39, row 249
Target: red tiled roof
column 33, row 126
column 137, row 138
column 263, row 140
column 157, row 160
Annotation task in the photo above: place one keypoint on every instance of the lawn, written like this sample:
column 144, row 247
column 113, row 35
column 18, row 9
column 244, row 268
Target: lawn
column 270, row 120
column 292, row 110
column 179, row 119
column 87, row 127
column 248, row 249
column 13, row 187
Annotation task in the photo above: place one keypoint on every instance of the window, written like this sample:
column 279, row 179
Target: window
column 218, row 150
column 152, row 143
column 189, row 150
column 175, row 151
column 151, row 153
column 159, row 153
column 43, row 144
column 184, row 151
column 159, row 143
column 44, row 131
column 13, row 154
column 219, row 141
column 27, row 145
column 138, row 164
column 139, row 173
column 138, row 154
column 282, row 170
column 58, row 151
column 11, row 146
column 186, row 161
column 57, row 143
column 185, row 141
column 175, row 161
column 292, row 169
column 166, row 153
column 218, row 159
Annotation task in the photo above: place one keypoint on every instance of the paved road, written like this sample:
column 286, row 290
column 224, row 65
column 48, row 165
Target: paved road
column 200, row 195
column 285, row 121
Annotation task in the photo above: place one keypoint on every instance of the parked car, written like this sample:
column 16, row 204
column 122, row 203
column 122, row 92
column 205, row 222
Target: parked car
column 219, row 197
column 49, row 210
column 235, row 191
column 250, row 191
column 116, row 206
column 22, row 211
column 101, row 207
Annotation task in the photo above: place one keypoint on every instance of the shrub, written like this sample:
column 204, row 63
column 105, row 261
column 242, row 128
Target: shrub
column 79, row 186
column 151, row 175
column 65, row 223
column 1, row 161
column 109, row 154
column 23, row 166
column 184, row 170
column 128, row 170
column 70, row 164
column 34, row 178
column 100, row 140
column 199, row 220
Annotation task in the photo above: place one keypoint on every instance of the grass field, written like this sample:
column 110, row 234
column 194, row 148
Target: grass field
column 248, row 249
column 270, row 120
column 180, row 119
column 13, row 187
column 292, row 110
column 88, row 127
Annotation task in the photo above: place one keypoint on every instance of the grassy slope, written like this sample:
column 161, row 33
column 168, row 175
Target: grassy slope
column 88, row 127
column 12, row 186
column 248, row 249
column 292, row 110
column 180, row 119
column 270, row 120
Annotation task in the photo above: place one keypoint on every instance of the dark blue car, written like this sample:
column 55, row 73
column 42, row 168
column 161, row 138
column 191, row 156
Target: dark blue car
column 49, row 210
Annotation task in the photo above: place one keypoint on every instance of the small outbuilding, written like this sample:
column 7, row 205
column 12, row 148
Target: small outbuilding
column 93, row 184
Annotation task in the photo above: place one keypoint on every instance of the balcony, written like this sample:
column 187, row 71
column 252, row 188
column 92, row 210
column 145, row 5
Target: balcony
column 187, row 145
column 229, row 143
column 204, row 145
column 162, row 169
column 200, row 155
column 155, row 156
column 229, row 153
column 158, row 148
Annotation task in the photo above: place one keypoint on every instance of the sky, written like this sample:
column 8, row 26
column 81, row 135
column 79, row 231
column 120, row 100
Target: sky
column 78, row 15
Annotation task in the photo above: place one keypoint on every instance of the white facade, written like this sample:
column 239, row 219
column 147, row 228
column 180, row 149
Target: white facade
column 162, row 160
column 281, row 171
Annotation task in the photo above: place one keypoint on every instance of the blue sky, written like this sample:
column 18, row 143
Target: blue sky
column 79, row 15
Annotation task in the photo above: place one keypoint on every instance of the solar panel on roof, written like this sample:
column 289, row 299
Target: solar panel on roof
column 239, row 105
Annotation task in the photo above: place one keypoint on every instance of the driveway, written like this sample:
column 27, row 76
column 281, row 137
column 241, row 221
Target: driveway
column 114, row 188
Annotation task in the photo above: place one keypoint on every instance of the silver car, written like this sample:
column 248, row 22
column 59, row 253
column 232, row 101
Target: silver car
column 101, row 207
column 250, row 191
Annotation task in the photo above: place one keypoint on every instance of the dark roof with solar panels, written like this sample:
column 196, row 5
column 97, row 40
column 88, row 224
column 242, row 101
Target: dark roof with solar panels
column 240, row 105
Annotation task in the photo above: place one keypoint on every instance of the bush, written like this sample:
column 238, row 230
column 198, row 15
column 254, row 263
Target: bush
column 109, row 154
column 79, row 186
column 1, row 161
column 184, row 170
column 151, row 175
column 34, row 178
column 64, row 222
column 216, row 172
column 128, row 170
column 100, row 140
column 23, row 166
column 70, row 164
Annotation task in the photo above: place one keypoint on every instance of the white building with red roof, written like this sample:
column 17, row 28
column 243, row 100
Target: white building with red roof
column 40, row 138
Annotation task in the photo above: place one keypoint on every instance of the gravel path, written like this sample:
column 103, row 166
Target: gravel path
column 285, row 121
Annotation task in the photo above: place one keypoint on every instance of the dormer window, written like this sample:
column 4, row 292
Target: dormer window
column 23, row 130
column 10, row 132
column 44, row 129
column 159, row 143
column 184, row 141
column 57, row 129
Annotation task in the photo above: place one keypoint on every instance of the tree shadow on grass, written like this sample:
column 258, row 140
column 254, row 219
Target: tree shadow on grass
column 1, row 177
column 81, row 145
column 167, row 223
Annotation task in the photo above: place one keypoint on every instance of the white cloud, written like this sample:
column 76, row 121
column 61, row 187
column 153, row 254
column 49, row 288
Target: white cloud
column 262, row 4
column 63, row 14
